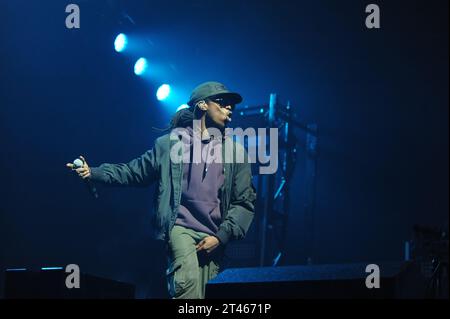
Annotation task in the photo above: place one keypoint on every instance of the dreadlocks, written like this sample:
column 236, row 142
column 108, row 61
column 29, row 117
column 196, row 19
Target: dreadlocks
column 182, row 118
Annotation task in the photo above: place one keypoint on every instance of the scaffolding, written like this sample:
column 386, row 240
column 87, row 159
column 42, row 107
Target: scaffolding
column 274, row 202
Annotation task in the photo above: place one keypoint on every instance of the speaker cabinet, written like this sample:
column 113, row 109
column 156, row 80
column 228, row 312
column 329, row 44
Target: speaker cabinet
column 51, row 284
column 397, row 280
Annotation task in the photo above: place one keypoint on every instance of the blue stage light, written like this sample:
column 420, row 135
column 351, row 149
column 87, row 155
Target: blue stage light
column 51, row 268
column 140, row 66
column 120, row 43
column 163, row 92
column 182, row 106
column 16, row 269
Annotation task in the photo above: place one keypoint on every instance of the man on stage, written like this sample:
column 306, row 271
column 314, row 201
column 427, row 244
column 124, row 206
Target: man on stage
column 201, row 205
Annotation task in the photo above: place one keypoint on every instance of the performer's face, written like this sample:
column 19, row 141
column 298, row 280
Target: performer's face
column 219, row 112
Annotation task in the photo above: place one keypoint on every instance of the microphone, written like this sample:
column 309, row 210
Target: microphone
column 78, row 163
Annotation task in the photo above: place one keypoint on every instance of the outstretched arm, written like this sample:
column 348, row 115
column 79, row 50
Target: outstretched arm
column 140, row 171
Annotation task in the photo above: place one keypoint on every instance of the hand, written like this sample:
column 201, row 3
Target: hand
column 208, row 243
column 84, row 171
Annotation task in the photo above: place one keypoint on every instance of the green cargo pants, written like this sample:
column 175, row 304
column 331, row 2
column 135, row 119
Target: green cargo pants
column 189, row 271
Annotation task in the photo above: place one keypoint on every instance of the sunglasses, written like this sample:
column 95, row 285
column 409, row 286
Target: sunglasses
column 223, row 102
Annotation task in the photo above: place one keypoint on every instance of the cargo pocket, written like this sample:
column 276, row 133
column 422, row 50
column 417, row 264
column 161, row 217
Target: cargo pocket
column 175, row 280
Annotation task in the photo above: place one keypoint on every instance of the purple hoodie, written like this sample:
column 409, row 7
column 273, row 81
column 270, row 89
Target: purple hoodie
column 200, row 204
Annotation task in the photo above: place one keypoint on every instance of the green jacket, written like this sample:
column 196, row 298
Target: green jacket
column 237, row 195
